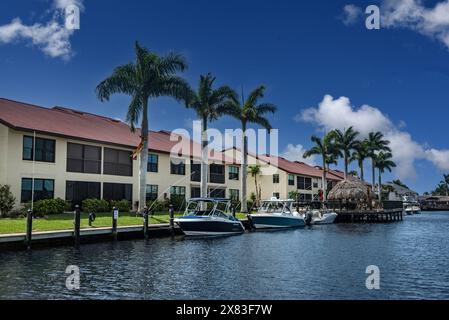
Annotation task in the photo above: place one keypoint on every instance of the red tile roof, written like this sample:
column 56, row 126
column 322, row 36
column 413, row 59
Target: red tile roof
column 82, row 125
column 297, row 167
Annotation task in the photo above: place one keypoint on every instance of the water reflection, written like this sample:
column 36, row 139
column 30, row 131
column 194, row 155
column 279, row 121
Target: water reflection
column 320, row 262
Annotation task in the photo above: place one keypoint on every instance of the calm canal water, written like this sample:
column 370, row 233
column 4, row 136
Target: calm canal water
column 321, row 262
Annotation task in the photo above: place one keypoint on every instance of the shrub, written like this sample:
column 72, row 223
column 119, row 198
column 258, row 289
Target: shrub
column 178, row 202
column 49, row 207
column 122, row 205
column 17, row 213
column 95, row 205
column 156, row 206
column 7, row 200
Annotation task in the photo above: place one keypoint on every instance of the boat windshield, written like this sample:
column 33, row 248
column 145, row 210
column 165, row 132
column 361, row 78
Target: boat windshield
column 275, row 207
column 206, row 207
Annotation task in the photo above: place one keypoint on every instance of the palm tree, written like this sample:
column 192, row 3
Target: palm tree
column 376, row 143
column 360, row 154
column 150, row 76
column 249, row 111
column 445, row 183
column 347, row 142
column 383, row 162
column 255, row 171
column 333, row 153
column 320, row 148
column 208, row 104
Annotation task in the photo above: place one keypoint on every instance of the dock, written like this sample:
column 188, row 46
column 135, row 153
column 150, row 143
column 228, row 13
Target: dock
column 88, row 235
column 369, row 216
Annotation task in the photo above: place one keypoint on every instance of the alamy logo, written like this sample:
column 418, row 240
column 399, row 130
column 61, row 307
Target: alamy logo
column 372, row 21
column 72, row 282
column 72, row 17
column 373, row 280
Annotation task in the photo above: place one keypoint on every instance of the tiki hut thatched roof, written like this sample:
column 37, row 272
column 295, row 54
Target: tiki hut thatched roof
column 351, row 189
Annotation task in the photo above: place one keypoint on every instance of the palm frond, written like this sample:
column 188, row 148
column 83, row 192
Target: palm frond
column 122, row 80
column 255, row 95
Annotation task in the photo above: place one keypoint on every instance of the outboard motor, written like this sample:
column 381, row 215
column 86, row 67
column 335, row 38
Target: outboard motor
column 250, row 223
column 308, row 218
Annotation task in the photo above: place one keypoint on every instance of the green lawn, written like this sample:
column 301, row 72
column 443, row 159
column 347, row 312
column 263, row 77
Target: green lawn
column 65, row 221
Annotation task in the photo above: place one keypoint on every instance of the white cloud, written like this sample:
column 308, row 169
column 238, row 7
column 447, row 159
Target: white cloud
column 412, row 14
column 296, row 153
column 52, row 37
column 351, row 14
column 62, row 4
column 339, row 114
column 439, row 157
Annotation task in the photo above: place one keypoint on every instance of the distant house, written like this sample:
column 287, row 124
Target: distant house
column 434, row 203
column 399, row 193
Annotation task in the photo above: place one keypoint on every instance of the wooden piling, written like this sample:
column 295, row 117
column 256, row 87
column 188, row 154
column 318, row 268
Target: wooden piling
column 145, row 223
column 76, row 233
column 29, row 233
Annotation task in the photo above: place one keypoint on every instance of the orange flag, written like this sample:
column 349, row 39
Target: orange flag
column 136, row 152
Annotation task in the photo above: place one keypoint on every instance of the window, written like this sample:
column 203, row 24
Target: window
column 83, row 158
column 153, row 160
column 276, row 195
column 304, row 183
column 217, row 173
column 44, row 149
column 315, row 184
column 77, row 191
column 217, row 193
column 275, row 178
column 305, row 197
column 118, row 162
column 43, row 189
column 178, row 191
column 177, row 166
column 234, row 194
column 291, row 180
column 195, row 192
column 233, row 173
column 152, row 192
column 195, row 171
column 117, row 191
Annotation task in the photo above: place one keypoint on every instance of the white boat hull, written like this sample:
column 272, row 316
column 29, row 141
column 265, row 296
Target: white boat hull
column 327, row 218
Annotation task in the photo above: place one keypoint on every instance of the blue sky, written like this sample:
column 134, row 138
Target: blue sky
column 301, row 51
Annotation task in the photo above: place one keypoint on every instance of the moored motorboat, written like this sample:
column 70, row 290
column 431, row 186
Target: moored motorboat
column 209, row 217
column 276, row 213
column 411, row 209
column 319, row 217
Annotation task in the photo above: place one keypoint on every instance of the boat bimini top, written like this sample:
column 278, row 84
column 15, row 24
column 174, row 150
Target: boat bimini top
column 208, row 207
column 277, row 206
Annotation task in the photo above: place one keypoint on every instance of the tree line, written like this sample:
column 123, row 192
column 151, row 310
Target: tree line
column 151, row 76
column 344, row 144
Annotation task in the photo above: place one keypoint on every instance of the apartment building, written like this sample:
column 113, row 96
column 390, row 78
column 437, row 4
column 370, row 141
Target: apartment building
column 76, row 155
column 280, row 176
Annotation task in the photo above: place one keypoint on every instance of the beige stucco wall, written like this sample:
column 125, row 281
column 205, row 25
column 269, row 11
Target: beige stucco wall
column 18, row 168
column 265, row 180
column 164, row 179
column 4, row 131
column 13, row 168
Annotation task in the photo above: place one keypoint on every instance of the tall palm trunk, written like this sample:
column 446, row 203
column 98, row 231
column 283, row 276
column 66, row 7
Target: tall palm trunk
column 143, row 159
column 361, row 169
column 379, row 187
column 257, row 192
column 204, row 158
column 346, row 165
column 324, row 179
column 244, row 158
column 373, row 178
